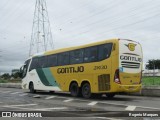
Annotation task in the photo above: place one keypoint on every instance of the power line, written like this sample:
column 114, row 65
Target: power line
column 12, row 12
column 106, row 9
column 112, row 19
column 117, row 21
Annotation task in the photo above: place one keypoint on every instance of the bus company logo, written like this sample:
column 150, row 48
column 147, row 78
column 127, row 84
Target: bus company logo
column 131, row 46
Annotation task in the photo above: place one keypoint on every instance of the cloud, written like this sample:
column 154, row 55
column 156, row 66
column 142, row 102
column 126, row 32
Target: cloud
column 78, row 22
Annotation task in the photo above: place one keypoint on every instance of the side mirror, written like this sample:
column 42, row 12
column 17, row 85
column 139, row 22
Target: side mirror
column 21, row 71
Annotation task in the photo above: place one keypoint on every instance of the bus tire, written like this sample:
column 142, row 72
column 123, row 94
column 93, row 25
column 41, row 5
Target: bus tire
column 110, row 95
column 74, row 89
column 86, row 90
column 31, row 88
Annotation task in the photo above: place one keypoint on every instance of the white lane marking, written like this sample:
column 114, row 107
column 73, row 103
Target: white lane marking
column 130, row 108
column 15, row 93
column 37, row 96
column 55, row 108
column 40, row 109
column 93, row 103
column 149, row 107
column 106, row 118
column 18, row 107
column 50, row 97
column 6, row 91
column 23, row 94
column 21, row 105
column 69, row 100
column 118, row 104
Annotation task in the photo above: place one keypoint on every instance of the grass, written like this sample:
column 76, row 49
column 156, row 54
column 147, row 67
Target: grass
column 3, row 81
column 147, row 81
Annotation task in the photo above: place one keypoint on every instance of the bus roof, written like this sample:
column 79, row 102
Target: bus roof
column 79, row 47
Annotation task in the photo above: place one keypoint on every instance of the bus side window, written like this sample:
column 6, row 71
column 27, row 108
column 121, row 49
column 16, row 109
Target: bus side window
column 63, row 58
column 90, row 54
column 43, row 62
column 52, row 61
column 104, row 51
column 34, row 64
column 76, row 56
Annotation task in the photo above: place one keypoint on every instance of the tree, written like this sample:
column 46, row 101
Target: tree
column 6, row 76
column 16, row 75
column 153, row 64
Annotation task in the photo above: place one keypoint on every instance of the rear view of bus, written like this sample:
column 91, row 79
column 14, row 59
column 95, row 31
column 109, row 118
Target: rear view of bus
column 128, row 76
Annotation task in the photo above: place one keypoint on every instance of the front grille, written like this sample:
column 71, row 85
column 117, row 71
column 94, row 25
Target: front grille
column 104, row 82
column 130, row 64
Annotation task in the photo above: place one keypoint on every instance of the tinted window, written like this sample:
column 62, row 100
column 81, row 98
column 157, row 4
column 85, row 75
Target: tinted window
column 52, row 60
column 76, row 56
column 27, row 63
column 104, row 51
column 63, row 58
column 90, row 54
column 25, row 68
column 34, row 64
column 42, row 62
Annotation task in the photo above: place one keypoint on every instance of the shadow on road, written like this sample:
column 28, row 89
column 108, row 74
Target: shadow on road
column 103, row 97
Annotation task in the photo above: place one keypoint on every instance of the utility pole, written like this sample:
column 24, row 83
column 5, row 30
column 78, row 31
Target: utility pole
column 41, row 37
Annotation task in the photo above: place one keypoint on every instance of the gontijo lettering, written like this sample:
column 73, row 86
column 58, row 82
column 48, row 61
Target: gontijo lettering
column 129, row 58
column 70, row 70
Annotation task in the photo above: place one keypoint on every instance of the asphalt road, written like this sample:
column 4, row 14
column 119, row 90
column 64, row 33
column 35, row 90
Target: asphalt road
column 60, row 105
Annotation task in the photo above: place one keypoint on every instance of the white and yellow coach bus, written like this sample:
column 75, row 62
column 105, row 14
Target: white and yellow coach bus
column 106, row 67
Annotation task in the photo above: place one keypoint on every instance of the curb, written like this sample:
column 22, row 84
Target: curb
column 10, row 85
column 151, row 91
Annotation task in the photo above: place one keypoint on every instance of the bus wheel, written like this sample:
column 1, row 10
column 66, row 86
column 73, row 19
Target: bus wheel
column 110, row 95
column 86, row 90
column 74, row 89
column 31, row 88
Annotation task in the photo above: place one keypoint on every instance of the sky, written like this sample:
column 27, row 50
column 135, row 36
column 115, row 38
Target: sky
column 78, row 22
